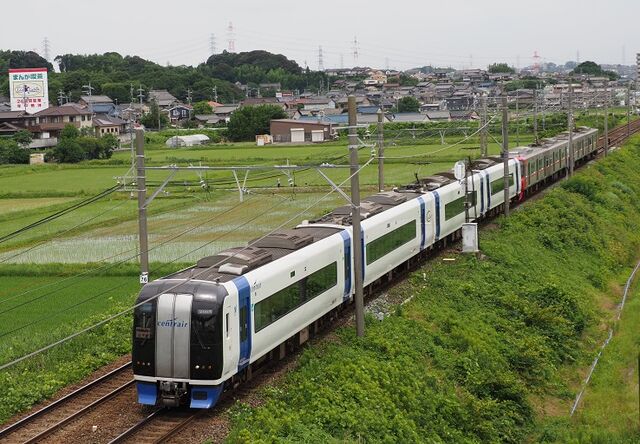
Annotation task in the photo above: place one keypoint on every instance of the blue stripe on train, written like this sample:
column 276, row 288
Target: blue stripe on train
column 346, row 239
column 244, row 298
column 423, row 216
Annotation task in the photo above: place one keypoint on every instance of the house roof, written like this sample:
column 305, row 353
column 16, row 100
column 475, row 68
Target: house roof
column 437, row 115
column 225, row 109
column 409, row 117
column 305, row 121
column 96, row 99
column 208, row 118
column 68, row 109
column 162, row 96
column 105, row 120
column 11, row 114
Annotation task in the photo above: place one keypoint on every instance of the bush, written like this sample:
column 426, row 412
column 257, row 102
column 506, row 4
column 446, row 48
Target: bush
column 10, row 152
column 68, row 151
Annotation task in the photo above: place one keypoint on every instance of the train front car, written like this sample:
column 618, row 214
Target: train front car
column 178, row 343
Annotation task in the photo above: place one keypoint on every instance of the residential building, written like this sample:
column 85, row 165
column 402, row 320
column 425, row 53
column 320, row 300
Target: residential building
column 104, row 124
column 162, row 97
column 180, row 112
column 49, row 122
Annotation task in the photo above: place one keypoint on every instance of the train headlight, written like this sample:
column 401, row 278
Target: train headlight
column 197, row 367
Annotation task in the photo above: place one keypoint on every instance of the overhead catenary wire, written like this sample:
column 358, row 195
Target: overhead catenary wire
column 60, row 213
column 71, row 307
column 106, row 266
column 195, row 276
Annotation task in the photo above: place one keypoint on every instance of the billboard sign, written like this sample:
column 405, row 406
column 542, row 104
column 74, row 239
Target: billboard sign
column 29, row 89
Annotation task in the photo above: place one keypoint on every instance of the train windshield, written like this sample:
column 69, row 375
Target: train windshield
column 143, row 322
column 204, row 327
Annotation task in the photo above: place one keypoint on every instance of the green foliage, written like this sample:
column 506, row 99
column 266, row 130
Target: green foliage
column 593, row 69
column 23, row 138
column 481, row 338
column 69, row 132
column 154, row 117
column 499, row 68
column 248, row 121
column 12, row 153
column 408, row 104
column 73, row 148
column 202, row 107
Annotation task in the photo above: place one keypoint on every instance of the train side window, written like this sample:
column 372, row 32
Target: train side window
column 386, row 243
column 243, row 324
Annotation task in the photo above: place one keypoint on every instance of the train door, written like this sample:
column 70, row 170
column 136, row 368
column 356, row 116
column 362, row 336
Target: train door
column 173, row 333
column 230, row 339
column 244, row 320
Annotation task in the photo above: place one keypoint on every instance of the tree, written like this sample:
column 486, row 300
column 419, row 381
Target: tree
column 595, row 70
column 10, row 152
column 151, row 119
column 68, row 150
column 23, row 138
column 501, row 68
column 69, row 132
column 202, row 107
column 248, row 121
column 408, row 104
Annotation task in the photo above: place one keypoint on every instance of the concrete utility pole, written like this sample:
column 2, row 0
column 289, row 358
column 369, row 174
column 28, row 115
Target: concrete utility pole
column 355, row 215
column 142, row 208
column 380, row 150
column 484, row 127
column 505, row 152
column 517, row 122
column 570, row 127
column 535, row 116
column 606, row 118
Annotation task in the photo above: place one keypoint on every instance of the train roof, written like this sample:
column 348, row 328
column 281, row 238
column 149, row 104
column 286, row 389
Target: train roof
column 548, row 144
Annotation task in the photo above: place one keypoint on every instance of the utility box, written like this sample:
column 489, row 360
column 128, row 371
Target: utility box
column 470, row 238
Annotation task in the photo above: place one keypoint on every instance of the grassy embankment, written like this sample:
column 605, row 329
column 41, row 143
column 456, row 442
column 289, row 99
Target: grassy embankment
column 488, row 348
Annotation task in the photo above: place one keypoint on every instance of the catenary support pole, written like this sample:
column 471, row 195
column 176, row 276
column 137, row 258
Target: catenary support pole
column 380, row 150
column 570, row 128
column 484, row 127
column 505, row 152
column 535, row 116
column 142, row 208
column 606, row 118
column 355, row 215
column 628, row 110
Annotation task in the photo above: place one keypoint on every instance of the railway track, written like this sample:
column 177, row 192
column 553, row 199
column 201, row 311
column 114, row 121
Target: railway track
column 619, row 134
column 44, row 422
column 158, row 427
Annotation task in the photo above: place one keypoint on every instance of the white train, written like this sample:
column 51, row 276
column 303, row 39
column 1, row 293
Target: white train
column 214, row 322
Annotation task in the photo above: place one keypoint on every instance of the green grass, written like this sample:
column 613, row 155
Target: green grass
column 485, row 343
column 608, row 412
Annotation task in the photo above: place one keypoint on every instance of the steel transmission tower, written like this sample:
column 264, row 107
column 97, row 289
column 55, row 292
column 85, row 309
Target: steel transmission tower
column 320, row 59
column 231, row 38
column 46, row 49
column 212, row 43
column 355, row 51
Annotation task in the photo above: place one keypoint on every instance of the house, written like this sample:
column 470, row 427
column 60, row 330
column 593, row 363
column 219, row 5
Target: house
column 342, row 102
column 104, row 124
column 208, row 119
column 180, row 112
column 298, row 131
column 459, row 103
column 49, row 122
column 99, row 105
column 162, row 97
column 317, row 104
column 255, row 101
column 224, row 112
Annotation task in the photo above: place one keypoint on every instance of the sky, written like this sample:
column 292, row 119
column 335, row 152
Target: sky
column 398, row 34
